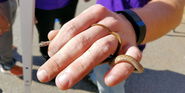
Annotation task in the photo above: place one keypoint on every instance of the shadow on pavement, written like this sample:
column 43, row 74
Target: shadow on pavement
column 84, row 84
column 176, row 34
column 152, row 81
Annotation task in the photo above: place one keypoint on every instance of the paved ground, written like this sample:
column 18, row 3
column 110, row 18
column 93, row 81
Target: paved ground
column 163, row 59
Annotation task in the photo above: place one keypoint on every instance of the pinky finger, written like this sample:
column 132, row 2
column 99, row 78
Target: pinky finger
column 122, row 70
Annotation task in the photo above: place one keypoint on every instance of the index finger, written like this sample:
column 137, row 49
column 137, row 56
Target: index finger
column 75, row 26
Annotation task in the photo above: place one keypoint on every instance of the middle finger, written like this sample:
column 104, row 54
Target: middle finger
column 72, row 50
column 99, row 51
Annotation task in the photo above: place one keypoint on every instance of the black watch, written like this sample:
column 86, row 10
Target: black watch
column 137, row 23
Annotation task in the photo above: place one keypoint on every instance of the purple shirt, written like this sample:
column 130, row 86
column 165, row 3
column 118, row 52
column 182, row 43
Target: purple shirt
column 3, row 0
column 51, row 4
column 118, row 5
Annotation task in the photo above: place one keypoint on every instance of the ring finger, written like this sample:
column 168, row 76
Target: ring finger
column 72, row 50
column 122, row 70
column 74, row 72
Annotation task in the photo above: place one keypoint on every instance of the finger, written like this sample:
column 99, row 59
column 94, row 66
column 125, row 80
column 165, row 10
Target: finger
column 98, row 52
column 71, row 50
column 122, row 70
column 52, row 34
column 75, row 26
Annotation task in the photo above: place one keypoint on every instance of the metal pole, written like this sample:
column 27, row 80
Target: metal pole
column 27, row 14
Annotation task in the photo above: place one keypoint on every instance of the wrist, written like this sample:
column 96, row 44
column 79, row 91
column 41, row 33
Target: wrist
column 137, row 23
column 127, row 31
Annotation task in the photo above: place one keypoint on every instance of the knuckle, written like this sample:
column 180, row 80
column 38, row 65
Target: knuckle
column 52, row 49
column 112, row 22
column 70, row 27
column 81, row 67
column 55, row 63
column 82, row 40
column 98, row 10
column 107, row 46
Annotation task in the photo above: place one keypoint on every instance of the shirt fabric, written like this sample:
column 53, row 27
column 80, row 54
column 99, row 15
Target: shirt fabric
column 119, row 5
column 51, row 4
column 3, row 0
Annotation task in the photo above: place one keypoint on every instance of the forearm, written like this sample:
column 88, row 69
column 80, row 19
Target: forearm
column 160, row 16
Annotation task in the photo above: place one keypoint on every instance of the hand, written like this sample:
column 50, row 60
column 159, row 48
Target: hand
column 78, row 47
column 4, row 25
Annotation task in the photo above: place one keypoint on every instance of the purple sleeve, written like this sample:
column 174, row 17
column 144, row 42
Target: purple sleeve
column 3, row 0
column 51, row 4
column 118, row 5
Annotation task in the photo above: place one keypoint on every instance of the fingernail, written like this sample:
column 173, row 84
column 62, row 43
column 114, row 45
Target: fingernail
column 42, row 75
column 64, row 81
column 109, row 79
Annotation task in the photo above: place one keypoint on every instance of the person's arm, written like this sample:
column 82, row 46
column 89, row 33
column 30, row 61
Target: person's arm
column 78, row 47
column 160, row 16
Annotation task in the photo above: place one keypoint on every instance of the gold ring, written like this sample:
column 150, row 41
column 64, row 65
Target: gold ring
column 111, row 32
column 110, row 59
column 126, row 58
column 115, row 58
column 46, row 43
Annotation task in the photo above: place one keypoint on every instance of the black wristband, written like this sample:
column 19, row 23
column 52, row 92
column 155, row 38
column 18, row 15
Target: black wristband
column 138, row 25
